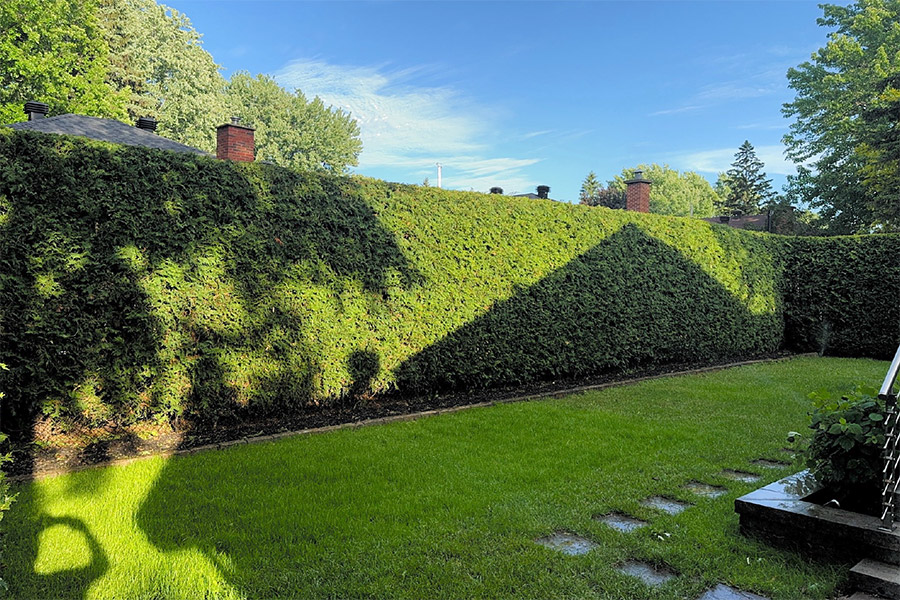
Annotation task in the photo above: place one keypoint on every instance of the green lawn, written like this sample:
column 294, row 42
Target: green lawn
column 445, row 507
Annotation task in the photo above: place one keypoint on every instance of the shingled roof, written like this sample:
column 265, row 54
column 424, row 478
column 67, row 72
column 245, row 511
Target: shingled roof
column 105, row 130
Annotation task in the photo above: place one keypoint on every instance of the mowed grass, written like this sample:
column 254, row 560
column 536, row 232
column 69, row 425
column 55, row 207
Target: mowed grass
column 443, row 507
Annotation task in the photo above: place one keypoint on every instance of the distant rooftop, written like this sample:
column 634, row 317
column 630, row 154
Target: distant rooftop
column 751, row 222
column 104, row 130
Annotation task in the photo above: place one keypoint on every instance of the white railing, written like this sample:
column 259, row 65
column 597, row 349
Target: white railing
column 890, row 495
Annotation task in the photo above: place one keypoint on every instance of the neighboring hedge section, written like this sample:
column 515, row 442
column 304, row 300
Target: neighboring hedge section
column 139, row 284
column 843, row 295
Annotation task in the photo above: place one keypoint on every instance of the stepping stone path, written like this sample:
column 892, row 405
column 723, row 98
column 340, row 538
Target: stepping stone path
column 574, row 545
column 724, row 592
column 647, row 573
column 704, row 489
column 769, row 464
column 673, row 507
column 567, row 543
column 740, row 476
column 620, row 521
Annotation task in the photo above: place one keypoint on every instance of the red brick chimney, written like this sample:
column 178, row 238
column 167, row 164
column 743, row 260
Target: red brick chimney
column 637, row 193
column 235, row 142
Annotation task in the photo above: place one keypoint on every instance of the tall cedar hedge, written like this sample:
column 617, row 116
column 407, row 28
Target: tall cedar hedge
column 139, row 284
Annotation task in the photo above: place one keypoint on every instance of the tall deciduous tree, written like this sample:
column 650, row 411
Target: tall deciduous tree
column 829, row 136
column 157, row 58
column 52, row 51
column 291, row 130
column 672, row 192
column 748, row 188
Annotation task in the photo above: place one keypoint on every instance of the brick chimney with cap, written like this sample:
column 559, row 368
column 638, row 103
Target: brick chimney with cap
column 637, row 193
column 235, row 142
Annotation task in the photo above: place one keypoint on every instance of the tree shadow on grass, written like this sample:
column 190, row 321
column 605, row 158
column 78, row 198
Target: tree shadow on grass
column 137, row 283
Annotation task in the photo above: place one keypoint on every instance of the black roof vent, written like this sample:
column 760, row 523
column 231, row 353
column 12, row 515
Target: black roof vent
column 543, row 191
column 36, row 110
column 496, row 190
column 147, row 123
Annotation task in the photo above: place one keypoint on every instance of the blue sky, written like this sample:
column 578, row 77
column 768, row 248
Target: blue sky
column 517, row 94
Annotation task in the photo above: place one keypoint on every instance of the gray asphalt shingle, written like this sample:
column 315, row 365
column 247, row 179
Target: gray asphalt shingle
column 104, row 130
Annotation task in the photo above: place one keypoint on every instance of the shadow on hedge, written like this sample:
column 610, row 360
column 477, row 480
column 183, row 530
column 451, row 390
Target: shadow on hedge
column 613, row 308
column 139, row 283
column 607, row 286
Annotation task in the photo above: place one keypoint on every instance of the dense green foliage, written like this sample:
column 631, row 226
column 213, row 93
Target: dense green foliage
column 841, row 295
column 157, row 58
column 590, row 187
column 52, row 51
column 142, row 284
column 748, row 188
column 444, row 507
column 673, row 192
column 125, row 59
column 844, row 451
column 291, row 130
column 834, row 129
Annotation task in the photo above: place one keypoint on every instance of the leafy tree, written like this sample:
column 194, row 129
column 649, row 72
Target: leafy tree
column 157, row 58
column 290, row 130
column 880, row 152
column 52, row 51
column 590, row 188
column 673, row 192
column 831, row 136
column 748, row 188
column 606, row 196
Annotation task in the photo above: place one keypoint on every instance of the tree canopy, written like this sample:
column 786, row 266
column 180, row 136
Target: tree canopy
column 838, row 133
column 290, row 130
column 748, row 189
column 125, row 59
column 156, row 57
column 53, row 51
column 590, row 187
column 673, row 192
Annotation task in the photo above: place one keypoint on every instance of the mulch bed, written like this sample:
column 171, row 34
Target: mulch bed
column 74, row 451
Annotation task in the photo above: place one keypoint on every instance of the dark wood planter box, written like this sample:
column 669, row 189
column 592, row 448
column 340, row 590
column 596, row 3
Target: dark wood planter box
column 782, row 515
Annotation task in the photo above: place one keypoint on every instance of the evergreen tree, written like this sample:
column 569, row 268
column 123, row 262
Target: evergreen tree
column 748, row 188
column 589, row 189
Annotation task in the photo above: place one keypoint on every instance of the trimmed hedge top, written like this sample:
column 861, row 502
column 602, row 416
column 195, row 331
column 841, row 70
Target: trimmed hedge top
column 138, row 284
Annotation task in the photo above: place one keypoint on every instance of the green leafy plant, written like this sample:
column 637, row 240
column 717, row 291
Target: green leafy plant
column 6, row 499
column 844, row 451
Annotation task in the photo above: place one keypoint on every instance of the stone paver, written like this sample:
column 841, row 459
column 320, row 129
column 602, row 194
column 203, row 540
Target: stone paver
column 704, row 489
column 668, row 505
column 567, row 543
column 620, row 521
column 646, row 572
column 740, row 476
column 726, row 592
column 769, row 464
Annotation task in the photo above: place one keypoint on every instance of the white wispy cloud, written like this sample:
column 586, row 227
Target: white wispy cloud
column 762, row 74
column 719, row 161
column 412, row 126
column 676, row 111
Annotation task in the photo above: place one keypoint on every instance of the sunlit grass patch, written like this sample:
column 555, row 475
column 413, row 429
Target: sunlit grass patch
column 447, row 506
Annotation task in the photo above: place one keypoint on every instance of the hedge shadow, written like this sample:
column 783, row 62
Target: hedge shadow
column 137, row 283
